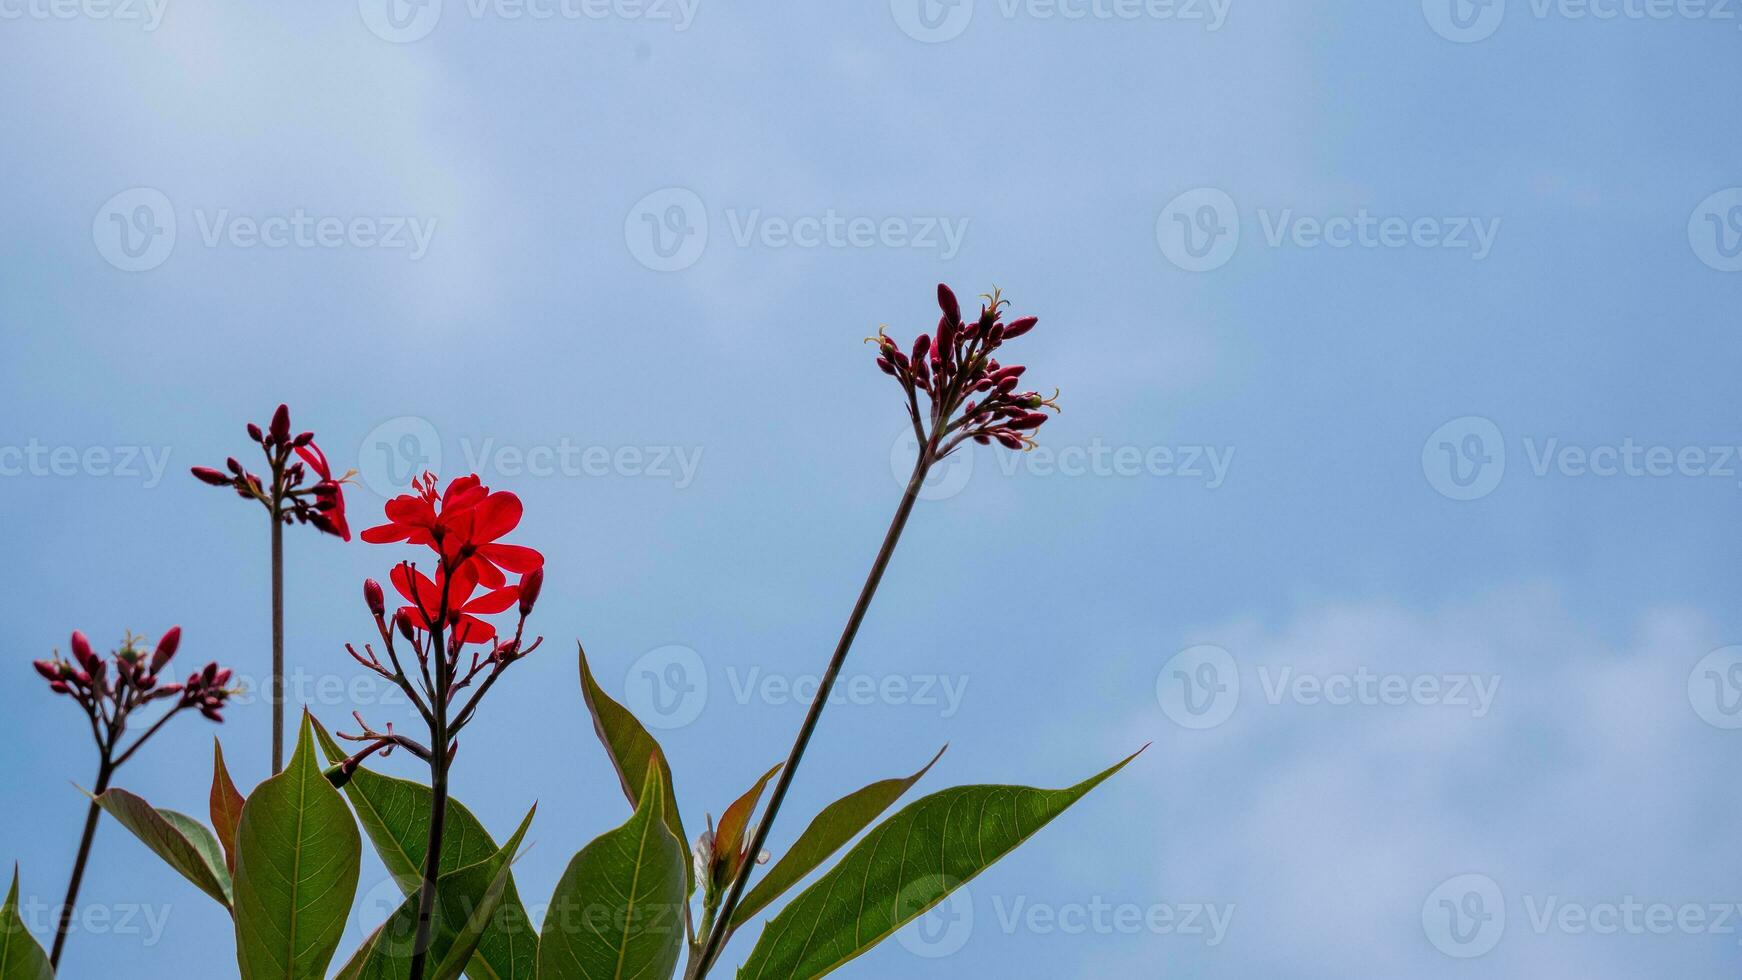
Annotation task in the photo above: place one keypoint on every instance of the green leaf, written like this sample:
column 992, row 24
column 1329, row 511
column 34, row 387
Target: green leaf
column 395, row 815
column 839, row 823
column 632, row 751
column 226, row 806
column 618, row 910
column 466, row 900
column 297, row 855
column 179, row 839
column 20, row 956
column 908, row 864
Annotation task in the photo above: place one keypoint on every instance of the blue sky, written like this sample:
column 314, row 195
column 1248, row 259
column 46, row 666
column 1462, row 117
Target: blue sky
column 619, row 260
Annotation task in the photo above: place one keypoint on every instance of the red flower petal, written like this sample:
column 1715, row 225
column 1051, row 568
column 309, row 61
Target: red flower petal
column 512, row 557
column 317, row 460
column 493, row 602
column 386, row 533
column 496, row 516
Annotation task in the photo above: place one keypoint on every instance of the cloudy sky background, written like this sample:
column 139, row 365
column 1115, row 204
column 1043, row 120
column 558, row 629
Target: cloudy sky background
column 1052, row 597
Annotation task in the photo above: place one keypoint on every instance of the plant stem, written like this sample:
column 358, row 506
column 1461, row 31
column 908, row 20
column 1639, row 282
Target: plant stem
column 277, row 639
column 723, row 922
column 440, row 755
column 66, row 910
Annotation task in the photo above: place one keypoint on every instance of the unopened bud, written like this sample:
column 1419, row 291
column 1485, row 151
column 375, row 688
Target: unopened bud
column 49, row 670
column 82, row 650
column 530, row 584
column 1019, row 327
column 886, row 367
column 255, row 434
column 921, row 347
column 373, row 596
column 302, row 439
column 205, row 474
column 234, row 465
column 166, row 647
column 947, row 303
column 280, row 430
column 401, row 620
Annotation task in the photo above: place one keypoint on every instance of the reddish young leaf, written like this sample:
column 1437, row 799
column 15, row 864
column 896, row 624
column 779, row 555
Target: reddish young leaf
column 226, row 805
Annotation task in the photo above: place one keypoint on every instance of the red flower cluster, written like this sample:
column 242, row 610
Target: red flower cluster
column 957, row 365
column 110, row 700
column 321, row 503
column 464, row 524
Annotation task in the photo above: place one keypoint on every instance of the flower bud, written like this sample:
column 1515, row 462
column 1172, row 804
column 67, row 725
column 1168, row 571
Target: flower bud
column 1019, row 327
column 255, row 434
column 302, row 439
column 280, row 430
column 886, row 367
column 82, row 651
column 233, row 464
column 1008, row 440
column 166, row 647
column 401, row 620
column 1013, row 371
column 947, row 303
column 921, row 347
column 49, row 670
column 373, row 596
column 530, row 584
column 205, row 474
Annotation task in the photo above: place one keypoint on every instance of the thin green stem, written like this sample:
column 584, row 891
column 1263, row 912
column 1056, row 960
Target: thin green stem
column 277, row 625
column 104, row 771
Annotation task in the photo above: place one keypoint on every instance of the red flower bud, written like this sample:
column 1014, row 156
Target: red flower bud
column 166, row 647
column 947, row 303
column 82, row 650
column 921, row 346
column 1019, row 327
column 233, row 464
column 280, row 430
column 302, row 439
column 401, row 620
column 1008, row 440
column 886, row 367
column 47, row 668
column 530, row 584
column 255, row 434
column 373, row 596
column 205, row 474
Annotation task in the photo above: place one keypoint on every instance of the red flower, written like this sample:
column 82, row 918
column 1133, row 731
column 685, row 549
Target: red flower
column 463, row 525
column 424, row 596
column 329, row 513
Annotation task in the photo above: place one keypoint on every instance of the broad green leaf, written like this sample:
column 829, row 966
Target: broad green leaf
column 395, row 815
column 179, row 839
column 729, row 836
column 226, row 806
column 297, row 855
column 901, row 869
column 466, row 900
column 839, row 823
column 632, row 751
column 617, row 913
column 20, row 956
